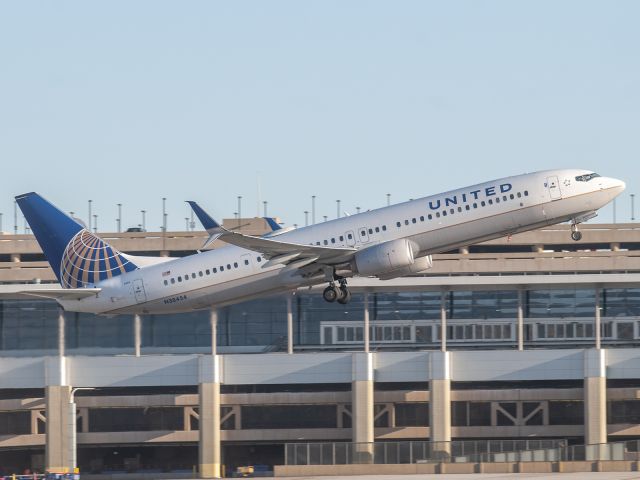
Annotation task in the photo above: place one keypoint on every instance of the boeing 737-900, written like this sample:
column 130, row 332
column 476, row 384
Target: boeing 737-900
column 385, row 243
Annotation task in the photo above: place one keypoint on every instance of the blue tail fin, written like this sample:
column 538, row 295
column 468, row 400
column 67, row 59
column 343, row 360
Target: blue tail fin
column 78, row 257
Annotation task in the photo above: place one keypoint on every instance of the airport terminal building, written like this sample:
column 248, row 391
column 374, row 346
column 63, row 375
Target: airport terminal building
column 532, row 336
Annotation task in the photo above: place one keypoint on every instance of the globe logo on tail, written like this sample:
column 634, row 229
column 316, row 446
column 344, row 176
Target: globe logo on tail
column 88, row 260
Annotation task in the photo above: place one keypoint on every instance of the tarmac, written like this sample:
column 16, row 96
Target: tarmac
column 487, row 476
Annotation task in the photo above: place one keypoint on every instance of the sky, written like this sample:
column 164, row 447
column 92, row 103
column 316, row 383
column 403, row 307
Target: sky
column 129, row 102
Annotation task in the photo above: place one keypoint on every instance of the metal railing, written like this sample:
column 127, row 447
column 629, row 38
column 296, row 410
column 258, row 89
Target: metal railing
column 345, row 453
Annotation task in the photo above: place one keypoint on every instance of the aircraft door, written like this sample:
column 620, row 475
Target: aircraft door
column 350, row 237
column 553, row 186
column 138, row 291
column 363, row 235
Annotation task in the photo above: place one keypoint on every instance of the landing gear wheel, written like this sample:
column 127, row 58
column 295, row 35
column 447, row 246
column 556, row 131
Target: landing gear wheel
column 576, row 235
column 331, row 293
column 346, row 295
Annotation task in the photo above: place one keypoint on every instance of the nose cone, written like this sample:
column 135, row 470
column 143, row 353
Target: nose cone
column 618, row 186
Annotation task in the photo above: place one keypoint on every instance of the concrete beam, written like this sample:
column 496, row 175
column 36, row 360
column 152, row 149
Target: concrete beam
column 362, row 402
column 595, row 397
column 209, row 452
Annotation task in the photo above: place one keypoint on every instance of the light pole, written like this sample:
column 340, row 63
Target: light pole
column 144, row 221
column 119, row 217
column 388, row 199
column 15, row 217
column 325, row 217
column 239, row 211
column 264, row 204
column 633, row 207
column 306, row 218
column 614, row 210
column 164, row 214
column 90, row 202
column 186, row 224
column 357, row 209
column 337, row 208
column 313, row 209
column 71, row 419
column 95, row 223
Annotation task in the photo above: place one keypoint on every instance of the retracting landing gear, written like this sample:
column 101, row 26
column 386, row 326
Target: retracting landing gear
column 576, row 234
column 339, row 293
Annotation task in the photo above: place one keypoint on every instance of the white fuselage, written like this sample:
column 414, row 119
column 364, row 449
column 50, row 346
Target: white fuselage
column 432, row 224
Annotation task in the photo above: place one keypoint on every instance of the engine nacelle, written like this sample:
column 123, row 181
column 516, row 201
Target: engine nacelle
column 385, row 257
column 420, row 265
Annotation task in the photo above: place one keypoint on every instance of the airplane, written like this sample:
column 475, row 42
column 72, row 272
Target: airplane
column 386, row 243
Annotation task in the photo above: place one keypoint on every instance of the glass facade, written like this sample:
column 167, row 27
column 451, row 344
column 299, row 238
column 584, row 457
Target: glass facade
column 397, row 317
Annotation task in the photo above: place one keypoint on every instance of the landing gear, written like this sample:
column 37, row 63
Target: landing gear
column 576, row 235
column 339, row 293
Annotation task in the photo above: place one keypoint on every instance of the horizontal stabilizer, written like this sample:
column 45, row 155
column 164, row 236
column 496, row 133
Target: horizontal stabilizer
column 28, row 291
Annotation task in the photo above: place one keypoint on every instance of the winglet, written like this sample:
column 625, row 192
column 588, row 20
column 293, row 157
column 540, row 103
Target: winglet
column 213, row 228
column 273, row 225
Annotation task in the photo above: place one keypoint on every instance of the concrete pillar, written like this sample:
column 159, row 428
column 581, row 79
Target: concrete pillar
column 520, row 320
column 362, row 401
column 137, row 334
column 61, row 338
column 209, row 452
column 365, row 328
column 440, row 400
column 289, row 323
column 443, row 321
column 595, row 399
column 58, row 435
column 213, row 320
column 597, row 327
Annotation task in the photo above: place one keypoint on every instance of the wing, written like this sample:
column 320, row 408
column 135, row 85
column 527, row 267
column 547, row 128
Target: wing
column 275, row 251
column 28, row 291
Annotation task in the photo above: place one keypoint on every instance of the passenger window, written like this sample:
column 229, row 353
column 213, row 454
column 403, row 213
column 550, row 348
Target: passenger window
column 511, row 196
column 193, row 275
column 475, row 205
column 186, row 277
column 246, row 262
column 173, row 280
column 526, row 193
column 370, row 231
column 179, row 278
column 467, row 207
column 482, row 203
column 452, row 211
column 406, row 222
column 207, row 271
column 342, row 238
column 333, row 240
column 317, row 243
column 497, row 199
column 222, row 268
column 422, row 218
column 444, row 213
column 349, row 236
column 459, row 209
column 200, row 273
column 413, row 220
column 215, row 270
column 363, row 233
column 504, row 198
column 384, row 228
column 490, row 201
column 377, row 229
column 260, row 258
column 438, row 214
column 228, row 266
column 398, row 224
column 326, row 242
column 166, row 283
column 519, row 195
column 429, row 216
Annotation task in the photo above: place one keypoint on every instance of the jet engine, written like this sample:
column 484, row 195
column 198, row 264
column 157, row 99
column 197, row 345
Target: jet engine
column 389, row 260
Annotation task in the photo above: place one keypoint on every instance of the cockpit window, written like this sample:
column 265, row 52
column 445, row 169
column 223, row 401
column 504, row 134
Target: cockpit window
column 586, row 177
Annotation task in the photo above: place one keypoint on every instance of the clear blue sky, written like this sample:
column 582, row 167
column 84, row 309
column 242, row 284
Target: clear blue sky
column 132, row 101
